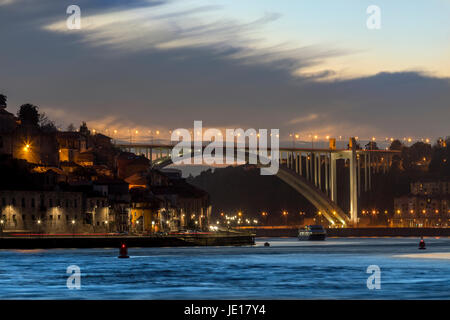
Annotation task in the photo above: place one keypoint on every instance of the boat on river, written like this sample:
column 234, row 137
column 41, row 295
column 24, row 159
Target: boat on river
column 312, row 232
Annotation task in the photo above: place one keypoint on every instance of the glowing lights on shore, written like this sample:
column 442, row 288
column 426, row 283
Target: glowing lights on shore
column 238, row 219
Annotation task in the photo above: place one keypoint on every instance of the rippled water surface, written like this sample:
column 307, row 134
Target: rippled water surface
column 288, row 269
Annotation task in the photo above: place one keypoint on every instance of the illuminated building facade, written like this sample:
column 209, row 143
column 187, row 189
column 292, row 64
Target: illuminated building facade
column 428, row 205
column 53, row 212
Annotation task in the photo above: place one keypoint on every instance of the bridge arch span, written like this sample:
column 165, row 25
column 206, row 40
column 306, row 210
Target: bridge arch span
column 330, row 210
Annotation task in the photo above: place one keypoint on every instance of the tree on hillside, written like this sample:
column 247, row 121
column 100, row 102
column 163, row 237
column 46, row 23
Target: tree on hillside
column 416, row 155
column 440, row 158
column 28, row 114
column 71, row 127
column 3, row 101
column 372, row 145
column 46, row 124
column 84, row 129
column 396, row 145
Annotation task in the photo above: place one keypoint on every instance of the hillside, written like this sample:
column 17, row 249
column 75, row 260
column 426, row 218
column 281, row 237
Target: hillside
column 242, row 188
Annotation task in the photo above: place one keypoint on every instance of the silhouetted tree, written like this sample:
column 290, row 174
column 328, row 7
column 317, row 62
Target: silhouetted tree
column 416, row 155
column 396, row 145
column 28, row 114
column 71, row 127
column 372, row 145
column 84, row 129
column 46, row 124
column 3, row 101
column 440, row 158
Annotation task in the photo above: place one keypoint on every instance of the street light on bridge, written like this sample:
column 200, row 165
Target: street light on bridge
column 315, row 137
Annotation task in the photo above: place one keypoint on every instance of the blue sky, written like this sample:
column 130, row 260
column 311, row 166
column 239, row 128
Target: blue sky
column 309, row 67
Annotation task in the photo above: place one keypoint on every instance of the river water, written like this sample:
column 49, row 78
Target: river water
column 288, row 269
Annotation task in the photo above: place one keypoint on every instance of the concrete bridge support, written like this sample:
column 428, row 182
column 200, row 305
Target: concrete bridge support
column 353, row 188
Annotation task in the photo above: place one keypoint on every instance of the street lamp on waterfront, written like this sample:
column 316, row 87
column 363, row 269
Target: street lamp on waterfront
column 285, row 216
column 319, row 214
column 264, row 216
column 39, row 225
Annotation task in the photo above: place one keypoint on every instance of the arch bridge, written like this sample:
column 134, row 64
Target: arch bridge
column 311, row 172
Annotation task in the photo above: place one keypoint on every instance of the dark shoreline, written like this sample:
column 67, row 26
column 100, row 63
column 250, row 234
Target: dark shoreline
column 53, row 242
column 359, row 232
column 228, row 239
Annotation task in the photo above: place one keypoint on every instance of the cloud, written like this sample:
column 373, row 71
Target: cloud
column 201, row 66
column 303, row 119
column 177, row 25
column 6, row 2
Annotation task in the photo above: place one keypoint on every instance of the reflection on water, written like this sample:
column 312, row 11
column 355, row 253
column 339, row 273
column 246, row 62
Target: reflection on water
column 288, row 269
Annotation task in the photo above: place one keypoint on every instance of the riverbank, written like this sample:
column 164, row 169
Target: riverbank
column 114, row 241
column 354, row 232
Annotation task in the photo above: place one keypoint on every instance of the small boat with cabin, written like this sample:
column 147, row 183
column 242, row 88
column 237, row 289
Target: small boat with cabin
column 312, row 232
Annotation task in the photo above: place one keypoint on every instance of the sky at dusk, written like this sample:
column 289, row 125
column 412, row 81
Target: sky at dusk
column 309, row 67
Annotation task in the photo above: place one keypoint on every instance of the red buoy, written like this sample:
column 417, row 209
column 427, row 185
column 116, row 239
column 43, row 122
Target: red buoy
column 422, row 244
column 123, row 251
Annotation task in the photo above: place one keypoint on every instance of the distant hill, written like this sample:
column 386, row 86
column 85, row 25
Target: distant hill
column 190, row 170
column 243, row 188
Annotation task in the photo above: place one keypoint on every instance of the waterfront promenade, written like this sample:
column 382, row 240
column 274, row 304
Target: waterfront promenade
column 115, row 241
column 246, row 236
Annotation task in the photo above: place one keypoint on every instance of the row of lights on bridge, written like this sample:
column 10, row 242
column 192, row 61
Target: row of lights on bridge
column 291, row 135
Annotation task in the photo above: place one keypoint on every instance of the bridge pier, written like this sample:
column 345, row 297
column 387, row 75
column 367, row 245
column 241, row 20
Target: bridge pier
column 319, row 170
column 326, row 176
column 333, row 182
column 370, row 173
column 316, row 173
column 358, row 172
column 307, row 166
column 353, row 187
